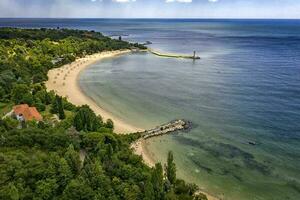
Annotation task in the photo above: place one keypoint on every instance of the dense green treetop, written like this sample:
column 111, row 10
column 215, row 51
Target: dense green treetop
column 52, row 34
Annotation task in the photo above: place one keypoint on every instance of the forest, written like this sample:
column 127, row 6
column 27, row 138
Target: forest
column 72, row 153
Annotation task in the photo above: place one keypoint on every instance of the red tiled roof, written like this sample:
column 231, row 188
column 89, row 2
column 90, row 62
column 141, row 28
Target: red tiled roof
column 29, row 113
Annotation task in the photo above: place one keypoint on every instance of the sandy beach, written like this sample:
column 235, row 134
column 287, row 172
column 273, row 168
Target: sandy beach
column 140, row 148
column 64, row 81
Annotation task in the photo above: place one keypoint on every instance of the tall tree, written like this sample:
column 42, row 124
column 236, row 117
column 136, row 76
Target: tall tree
column 86, row 120
column 73, row 159
column 58, row 108
column 61, row 112
column 64, row 174
column 157, row 181
column 148, row 191
column 54, row 105
column 171, row 168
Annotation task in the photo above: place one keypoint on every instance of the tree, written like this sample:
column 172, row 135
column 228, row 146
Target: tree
column 94, row 176
column 148, row 191
column 43, row 96
column 54, row 106
column 78, row 189
column 21, row 94
column 64, row 174
column 67, row 105
column 9, row 192
column 132, row 192
column 86, row 120
column 7, row 78
column 39, row 105
column 157, row 181
column 57, row 107
column 181, row 188
column 109, row 124
column 61, row 112
column 46, row 189
column 38, row 78
column 28, row 99
column 73, row 159
column 100, row 119
column 171, row 168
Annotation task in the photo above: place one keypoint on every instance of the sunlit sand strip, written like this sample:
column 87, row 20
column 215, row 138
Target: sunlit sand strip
column 64, row 81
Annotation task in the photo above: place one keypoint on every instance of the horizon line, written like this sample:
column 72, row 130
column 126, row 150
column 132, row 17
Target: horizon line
column 162, row 18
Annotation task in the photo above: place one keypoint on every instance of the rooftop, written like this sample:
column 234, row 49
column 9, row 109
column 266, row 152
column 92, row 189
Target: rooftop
column 29, row 113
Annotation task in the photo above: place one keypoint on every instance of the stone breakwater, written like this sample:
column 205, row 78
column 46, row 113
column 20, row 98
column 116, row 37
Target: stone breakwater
column 168, row 128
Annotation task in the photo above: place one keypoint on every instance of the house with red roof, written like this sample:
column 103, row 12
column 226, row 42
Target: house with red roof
column 25, row 113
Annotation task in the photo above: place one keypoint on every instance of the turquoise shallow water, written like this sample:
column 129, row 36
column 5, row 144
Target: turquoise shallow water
column 245, row 88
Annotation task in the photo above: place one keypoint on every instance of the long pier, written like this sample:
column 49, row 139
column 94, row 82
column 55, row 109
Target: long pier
column 169, row 55
column 168, row 128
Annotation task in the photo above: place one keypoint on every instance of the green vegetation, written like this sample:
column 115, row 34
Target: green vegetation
column 171, row 169
column 76, row 156
column 57, row 107
column 86, row 120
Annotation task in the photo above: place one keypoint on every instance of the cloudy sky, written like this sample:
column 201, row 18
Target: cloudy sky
column 151, row 8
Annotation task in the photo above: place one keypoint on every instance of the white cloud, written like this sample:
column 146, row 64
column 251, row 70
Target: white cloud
column 149, row 9
column 213, row 1
column 179, row 1
column 123, row 1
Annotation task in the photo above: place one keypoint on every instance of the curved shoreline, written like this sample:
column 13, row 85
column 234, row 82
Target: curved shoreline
column 64, row 81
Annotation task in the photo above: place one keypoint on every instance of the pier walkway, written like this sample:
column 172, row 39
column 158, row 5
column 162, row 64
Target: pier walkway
column 169, row 55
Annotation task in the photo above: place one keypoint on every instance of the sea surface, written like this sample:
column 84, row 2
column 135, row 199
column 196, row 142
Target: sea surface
column 245, row 89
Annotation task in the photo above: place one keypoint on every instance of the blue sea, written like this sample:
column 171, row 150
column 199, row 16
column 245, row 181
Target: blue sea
column 245, row 89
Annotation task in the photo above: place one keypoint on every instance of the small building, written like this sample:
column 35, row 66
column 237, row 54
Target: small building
column 25, row 113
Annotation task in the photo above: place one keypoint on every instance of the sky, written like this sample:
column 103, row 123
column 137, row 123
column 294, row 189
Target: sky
column 151, row 8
